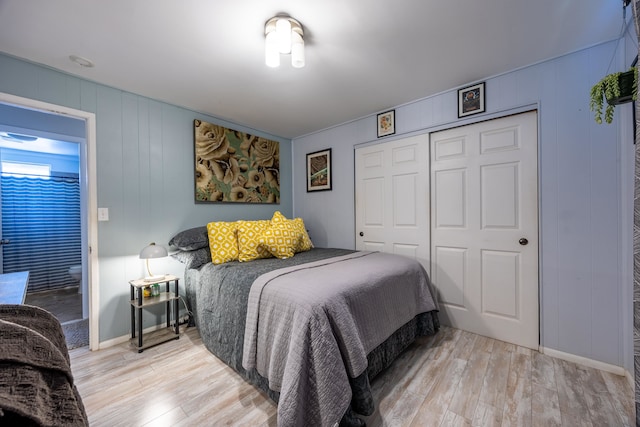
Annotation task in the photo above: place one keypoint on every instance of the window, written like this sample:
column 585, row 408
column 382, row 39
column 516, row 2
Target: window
column 33, row 170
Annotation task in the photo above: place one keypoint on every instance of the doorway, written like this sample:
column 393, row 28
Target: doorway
column 74, row 129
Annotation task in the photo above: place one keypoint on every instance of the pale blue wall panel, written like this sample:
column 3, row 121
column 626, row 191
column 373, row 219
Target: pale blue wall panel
column 52, row 86
column 548, row 206
column 145, row 176
column 73, row 92
column 88, row 96
column 130, row 170
column 574, row 198
column 143, row 157
column 18, row 77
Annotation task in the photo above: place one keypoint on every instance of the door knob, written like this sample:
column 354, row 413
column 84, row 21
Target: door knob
column 361, row 234
column 523, row 241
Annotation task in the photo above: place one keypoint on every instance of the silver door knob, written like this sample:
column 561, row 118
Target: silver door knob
column 523, row 241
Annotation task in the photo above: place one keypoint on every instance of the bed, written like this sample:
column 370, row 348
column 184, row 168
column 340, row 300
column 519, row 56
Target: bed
column 343, row 335
column 36, row 383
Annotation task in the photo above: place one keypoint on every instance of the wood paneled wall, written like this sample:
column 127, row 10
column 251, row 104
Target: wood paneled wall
column 145, row 177
column 583, row 174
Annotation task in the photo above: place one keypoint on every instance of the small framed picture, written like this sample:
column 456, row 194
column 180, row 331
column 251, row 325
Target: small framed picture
column 471, row 100
column 319, row 170
column 387, row 123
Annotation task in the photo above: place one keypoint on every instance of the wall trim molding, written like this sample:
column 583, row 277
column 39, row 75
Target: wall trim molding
column 614, row 369
column 124, row 338
column 88, row 200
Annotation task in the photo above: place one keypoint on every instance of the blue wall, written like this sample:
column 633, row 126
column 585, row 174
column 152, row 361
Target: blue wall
column 145, row 176
column 586, row 172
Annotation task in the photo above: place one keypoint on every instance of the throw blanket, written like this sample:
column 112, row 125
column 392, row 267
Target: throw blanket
column 309, row 327
column 36, row 383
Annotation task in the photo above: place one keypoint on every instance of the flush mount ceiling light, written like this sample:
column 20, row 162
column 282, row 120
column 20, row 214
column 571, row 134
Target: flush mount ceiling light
column 83, row 62
column 17, row 137
column 283, row 35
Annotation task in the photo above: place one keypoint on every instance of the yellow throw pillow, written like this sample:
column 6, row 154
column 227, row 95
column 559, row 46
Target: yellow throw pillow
column 223, row 242
column 305, row 242
column 286, row 237
column 281, row 238
column 249, row 233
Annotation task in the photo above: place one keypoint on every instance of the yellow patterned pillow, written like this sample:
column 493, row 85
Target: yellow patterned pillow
column 286, row 237
column 249, row 233
column 305, row 242
column 223, row 242
column 282, row 238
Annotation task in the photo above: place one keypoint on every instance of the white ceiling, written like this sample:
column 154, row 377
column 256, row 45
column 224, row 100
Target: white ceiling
column 362, row 56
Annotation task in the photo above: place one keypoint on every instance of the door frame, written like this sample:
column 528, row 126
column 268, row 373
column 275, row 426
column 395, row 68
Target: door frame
column 90, row 200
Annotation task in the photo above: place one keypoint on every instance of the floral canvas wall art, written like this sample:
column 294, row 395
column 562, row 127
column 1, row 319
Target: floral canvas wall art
column 233, row 166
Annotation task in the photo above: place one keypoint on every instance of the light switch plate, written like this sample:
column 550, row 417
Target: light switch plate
column 103, row 214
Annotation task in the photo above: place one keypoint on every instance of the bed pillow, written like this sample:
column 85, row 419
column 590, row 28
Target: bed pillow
column 193, row 259
column 282, row 237
column 191, row 239
column 301, row 241
column 249, row 233
column 305, row 243
column 223, row 241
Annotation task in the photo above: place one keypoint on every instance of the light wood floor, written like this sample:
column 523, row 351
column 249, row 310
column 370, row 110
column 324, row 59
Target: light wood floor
column 453, row 379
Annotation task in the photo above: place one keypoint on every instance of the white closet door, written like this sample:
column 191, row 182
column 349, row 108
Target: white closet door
column 484, row 235
column 392, row 203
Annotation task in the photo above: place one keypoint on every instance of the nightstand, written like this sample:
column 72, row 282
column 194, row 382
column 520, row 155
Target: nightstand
column 139, row 302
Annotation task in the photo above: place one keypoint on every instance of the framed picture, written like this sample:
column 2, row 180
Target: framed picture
column 471, row 100
column 319, row 170
column 235, row 167
column 387, row 123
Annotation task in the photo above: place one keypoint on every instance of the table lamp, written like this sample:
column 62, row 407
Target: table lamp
column 153, row 251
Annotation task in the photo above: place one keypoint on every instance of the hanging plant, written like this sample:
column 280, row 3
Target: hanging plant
column 616, row 88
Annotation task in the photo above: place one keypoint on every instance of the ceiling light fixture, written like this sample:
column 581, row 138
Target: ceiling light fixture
column 283, row 35
column 17, row 137
column 83, row 62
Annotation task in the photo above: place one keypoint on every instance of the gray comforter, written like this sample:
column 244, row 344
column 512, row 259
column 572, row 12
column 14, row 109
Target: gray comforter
column 310, row 327
column 218, row 296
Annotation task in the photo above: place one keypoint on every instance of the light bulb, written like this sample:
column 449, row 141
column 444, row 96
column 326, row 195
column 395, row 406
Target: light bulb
column 271, row 53
column 297, row 50
column 283, row 29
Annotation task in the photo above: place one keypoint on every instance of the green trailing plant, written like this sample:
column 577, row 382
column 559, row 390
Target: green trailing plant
column 609, row 89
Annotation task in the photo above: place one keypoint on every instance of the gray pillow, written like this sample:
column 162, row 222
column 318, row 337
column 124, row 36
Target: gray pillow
column 191, row 239
column 193, row 259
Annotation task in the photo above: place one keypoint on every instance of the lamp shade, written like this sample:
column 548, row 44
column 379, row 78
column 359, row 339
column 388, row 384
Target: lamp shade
column 153, row 251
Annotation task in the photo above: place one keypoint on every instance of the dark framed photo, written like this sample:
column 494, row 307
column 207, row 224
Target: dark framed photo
column 471, row 100
column 386, row 123
column 319, row 170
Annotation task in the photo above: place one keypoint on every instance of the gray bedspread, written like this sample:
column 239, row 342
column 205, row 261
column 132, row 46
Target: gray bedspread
column 310, row 327
column 218, row 296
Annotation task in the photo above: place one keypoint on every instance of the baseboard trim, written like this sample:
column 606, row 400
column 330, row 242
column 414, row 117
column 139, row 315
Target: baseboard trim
column 630, row 379
column 125, row 338
column 618, row 370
